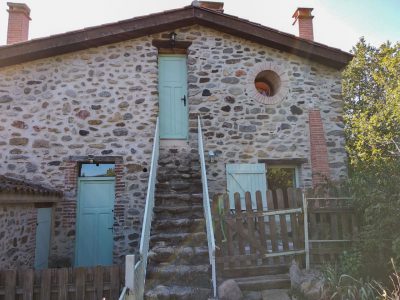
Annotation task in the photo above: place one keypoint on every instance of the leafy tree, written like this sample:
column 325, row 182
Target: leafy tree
column 110, row 172
column 371, row 91
column 376, row 191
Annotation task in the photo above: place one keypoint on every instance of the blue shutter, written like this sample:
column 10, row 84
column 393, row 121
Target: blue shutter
column 244, row 178
column 43, row 232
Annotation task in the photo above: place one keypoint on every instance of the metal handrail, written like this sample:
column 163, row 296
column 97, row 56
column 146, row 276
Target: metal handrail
column 136, row 272
column 148, row 211
column 207, row 210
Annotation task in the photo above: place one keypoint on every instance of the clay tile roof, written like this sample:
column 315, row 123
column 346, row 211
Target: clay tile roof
column 165, row 21
column 8, row 184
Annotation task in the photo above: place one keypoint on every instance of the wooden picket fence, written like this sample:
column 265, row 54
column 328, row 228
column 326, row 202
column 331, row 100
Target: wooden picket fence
column 62, row 284
column 256, row 237
column 332, row 228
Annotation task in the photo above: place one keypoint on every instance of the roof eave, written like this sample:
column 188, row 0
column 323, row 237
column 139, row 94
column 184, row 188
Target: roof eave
column 169, row 20
column 275, row 39
column 94, row 37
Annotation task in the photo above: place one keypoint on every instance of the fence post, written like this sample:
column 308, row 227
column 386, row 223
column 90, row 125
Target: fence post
column 306, row 243
column 130, row 271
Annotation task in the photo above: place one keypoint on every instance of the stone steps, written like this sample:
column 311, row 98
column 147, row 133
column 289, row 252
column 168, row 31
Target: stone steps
column 176, row 212
column 251, row 271
column 278, row 294
column 170, row 239
column 177, row 292
column 181, row 199
column 169, row 176
column 179, row 186
column 179, row 254
column 182, row 275
column 178, row 265
column 186, row 225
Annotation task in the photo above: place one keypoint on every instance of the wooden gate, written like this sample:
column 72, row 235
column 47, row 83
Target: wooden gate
column 256, row 237
column 317, row 230
column 332, row 227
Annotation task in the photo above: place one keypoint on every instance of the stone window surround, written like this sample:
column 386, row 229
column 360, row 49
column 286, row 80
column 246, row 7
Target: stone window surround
column 267, row 66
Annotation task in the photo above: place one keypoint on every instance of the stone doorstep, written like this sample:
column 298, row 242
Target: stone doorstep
column 174, row 144
column 177, row 292
column 258, row 283
column 275, row 294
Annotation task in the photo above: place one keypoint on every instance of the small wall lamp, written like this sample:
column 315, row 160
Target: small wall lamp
column 91, row 158
column 211, row 156
column 172, row 38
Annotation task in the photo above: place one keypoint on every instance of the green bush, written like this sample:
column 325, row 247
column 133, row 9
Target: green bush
column 350, row 263
column 376, row 191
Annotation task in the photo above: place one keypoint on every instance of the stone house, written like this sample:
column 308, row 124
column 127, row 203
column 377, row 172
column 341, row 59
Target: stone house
column 78, row 112
column 26, row 211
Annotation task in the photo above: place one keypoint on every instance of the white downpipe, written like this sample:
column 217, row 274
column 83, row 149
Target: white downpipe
column 207, row 210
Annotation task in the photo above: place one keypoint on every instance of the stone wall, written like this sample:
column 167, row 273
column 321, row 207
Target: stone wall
column 17, row 236
column 242, row 130
column 100, row 102
column 104, row 102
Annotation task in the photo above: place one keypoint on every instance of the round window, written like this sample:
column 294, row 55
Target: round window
column 267, row 83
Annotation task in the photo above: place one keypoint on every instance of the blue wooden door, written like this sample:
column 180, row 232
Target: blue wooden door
column 173, row 98
column 242, row 178
column 43, row 232
column 94, row 239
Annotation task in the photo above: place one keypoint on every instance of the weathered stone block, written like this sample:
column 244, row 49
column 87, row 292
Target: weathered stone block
column 19, row 141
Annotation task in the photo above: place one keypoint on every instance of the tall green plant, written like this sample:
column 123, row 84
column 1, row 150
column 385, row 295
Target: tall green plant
column 340, row 286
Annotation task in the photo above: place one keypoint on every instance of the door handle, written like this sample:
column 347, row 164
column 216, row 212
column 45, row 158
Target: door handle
column 111, row 228
column 184, row 100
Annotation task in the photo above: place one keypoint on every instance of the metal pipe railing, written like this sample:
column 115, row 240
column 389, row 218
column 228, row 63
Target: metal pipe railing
column 136, row 272
column 207, row 210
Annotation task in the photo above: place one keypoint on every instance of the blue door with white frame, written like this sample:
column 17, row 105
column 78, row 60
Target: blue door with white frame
column 242, row 178
column 95, row 218
column 173, row 98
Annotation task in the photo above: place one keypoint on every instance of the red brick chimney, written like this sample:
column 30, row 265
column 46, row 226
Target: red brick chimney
column 217, row 6
column 18, row 22
column 303, row 15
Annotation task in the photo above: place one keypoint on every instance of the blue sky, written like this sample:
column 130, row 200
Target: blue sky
column 337, row 23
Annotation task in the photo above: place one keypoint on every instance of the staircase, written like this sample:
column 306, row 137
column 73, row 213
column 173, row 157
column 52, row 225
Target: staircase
column 178, row 263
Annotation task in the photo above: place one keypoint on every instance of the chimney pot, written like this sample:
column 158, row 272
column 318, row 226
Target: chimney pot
column 304, row 17
column 216, row 6
column 18, row 22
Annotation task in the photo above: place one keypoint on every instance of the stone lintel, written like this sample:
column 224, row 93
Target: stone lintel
column 286, row 161
column 100, row 159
